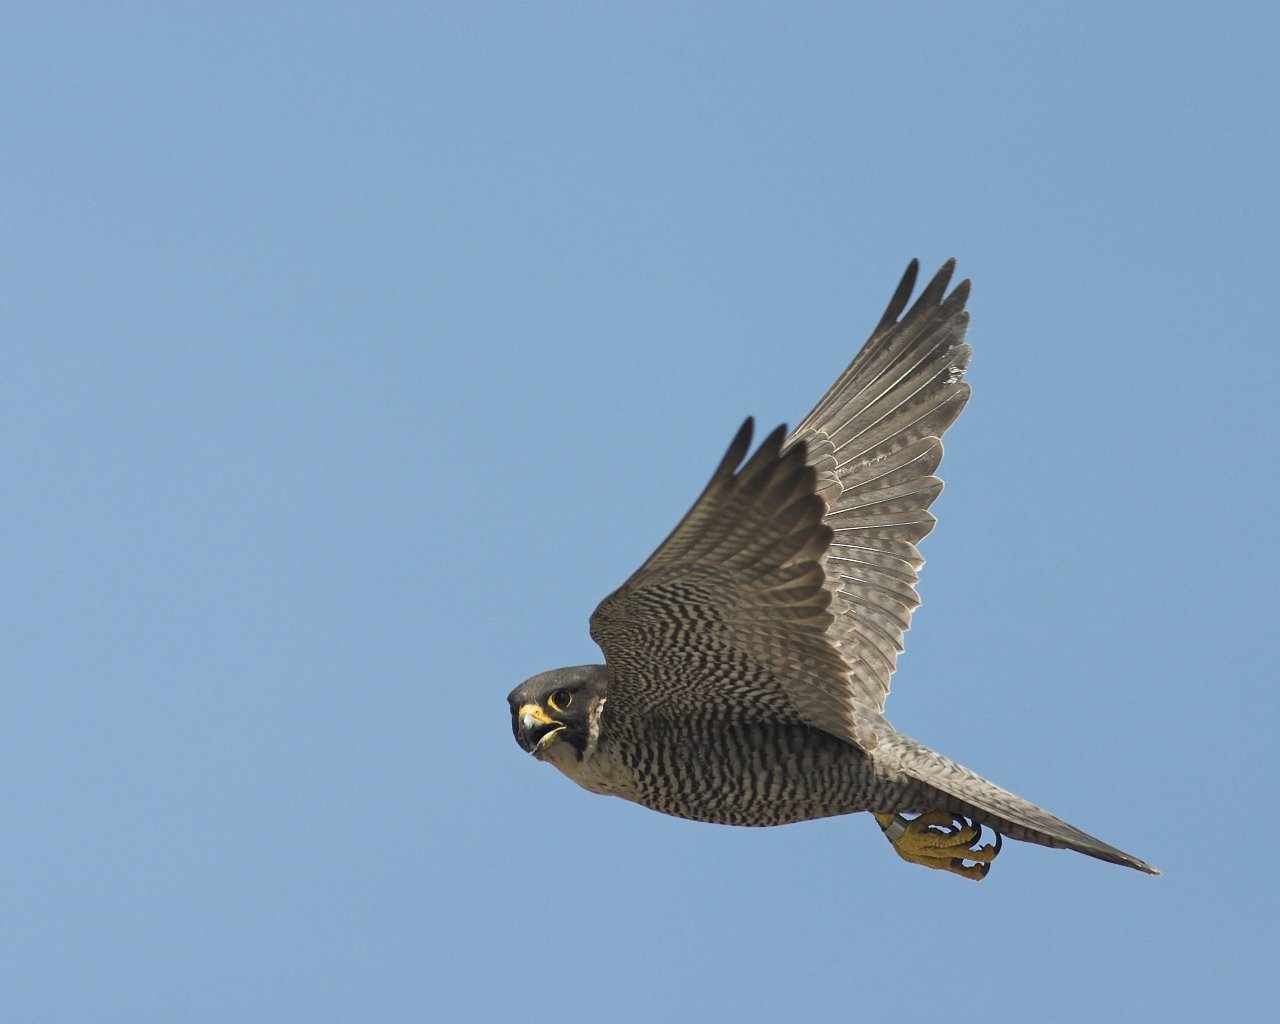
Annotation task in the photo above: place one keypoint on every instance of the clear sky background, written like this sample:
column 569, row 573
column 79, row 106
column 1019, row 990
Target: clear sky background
column 349, row 354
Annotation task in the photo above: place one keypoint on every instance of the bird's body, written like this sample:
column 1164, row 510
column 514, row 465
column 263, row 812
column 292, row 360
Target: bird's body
column 736, row 773
column 748, row 659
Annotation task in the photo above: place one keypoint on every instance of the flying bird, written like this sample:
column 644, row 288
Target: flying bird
column 748, row 660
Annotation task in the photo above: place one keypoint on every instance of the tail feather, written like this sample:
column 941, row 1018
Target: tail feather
column 960, row 791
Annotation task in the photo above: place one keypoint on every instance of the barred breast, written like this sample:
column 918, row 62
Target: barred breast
column 734, row 773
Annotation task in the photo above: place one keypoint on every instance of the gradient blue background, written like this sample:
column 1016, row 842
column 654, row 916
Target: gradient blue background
column 349, row 354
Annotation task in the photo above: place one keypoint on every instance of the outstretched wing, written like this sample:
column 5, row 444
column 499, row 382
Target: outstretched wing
column 874, row 439
column 729, row 618
column 784, row 593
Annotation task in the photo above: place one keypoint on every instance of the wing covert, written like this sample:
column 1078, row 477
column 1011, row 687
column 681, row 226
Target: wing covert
column 729, row 616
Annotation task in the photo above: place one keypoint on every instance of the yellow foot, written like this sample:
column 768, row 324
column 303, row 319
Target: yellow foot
column 942, row 841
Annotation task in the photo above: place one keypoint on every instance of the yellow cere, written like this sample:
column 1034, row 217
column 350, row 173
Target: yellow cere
column 537, row 714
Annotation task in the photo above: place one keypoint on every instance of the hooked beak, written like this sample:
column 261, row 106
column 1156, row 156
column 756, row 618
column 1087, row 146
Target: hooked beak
column 534, row 728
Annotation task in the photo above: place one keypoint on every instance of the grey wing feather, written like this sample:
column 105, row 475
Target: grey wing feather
column 784, row 592
column 729, row 616
column 874, row 440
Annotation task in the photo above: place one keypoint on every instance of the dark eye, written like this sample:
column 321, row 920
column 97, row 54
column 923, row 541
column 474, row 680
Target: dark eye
column 560, row 700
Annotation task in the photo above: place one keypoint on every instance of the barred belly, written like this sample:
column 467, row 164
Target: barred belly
column 746, row 774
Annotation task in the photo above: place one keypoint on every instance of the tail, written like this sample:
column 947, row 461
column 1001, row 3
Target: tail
column 960, row 791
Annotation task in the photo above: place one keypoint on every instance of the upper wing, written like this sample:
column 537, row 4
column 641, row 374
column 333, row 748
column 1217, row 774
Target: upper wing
column 784, row 593
column 874, row 439
column 729, row 616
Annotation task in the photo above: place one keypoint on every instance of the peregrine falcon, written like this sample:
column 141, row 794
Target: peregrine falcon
column 748, row 660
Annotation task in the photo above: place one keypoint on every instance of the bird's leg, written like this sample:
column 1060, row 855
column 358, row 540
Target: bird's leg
column 942, row 841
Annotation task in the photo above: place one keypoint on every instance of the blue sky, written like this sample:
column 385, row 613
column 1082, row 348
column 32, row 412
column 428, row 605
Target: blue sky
column 351, row 353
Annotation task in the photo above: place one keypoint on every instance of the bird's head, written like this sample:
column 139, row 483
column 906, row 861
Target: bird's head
column 557, row 714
